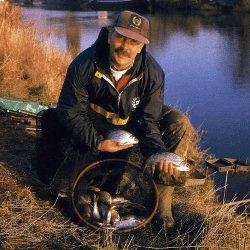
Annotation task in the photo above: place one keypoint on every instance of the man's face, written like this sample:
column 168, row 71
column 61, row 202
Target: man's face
column 123, row 50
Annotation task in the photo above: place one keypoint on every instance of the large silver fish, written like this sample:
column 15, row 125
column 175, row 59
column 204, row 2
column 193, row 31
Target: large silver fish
column 122, row 136
column 129, row 222
column 179, row 162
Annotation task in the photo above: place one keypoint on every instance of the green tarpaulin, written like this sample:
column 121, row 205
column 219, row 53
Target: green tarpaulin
column 15, row 104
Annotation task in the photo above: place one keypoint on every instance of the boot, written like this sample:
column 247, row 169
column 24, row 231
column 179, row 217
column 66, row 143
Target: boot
column 164, row 213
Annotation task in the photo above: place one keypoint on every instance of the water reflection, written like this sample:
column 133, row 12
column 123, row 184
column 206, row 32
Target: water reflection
column 244, row 49
column 205, row 57
column 75, row 31
column 73, row 35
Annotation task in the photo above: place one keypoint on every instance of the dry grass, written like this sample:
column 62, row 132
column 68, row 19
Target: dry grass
column 28, row 68
column 31, row 219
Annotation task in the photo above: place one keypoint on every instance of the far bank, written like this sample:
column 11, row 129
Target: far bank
column 140, row 5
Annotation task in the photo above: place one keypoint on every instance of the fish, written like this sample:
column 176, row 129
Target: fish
column 115, row 217
column 122, row 136
column 117, row 199
column 104, row 197
column 109, row 227
column 178, row 161
column 93, row 189
column 106, row 205
column 96, row 213
column 83, row 198
column 85, row 211
column 128, row 222
column 107, row 210
column 104, row 213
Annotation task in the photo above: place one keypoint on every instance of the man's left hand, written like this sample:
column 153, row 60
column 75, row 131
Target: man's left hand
column 168, row 168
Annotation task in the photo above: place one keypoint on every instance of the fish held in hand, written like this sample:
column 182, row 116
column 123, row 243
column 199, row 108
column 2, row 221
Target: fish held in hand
column 122, row 136
column 178, row 161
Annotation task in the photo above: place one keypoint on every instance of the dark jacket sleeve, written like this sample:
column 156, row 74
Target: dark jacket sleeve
column 146, row 117
column 73, row 104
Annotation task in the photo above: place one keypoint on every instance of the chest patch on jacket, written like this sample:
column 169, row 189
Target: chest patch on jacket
column 135, row 102
column 98, row 74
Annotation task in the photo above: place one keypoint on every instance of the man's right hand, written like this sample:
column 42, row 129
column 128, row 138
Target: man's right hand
column 112, row 146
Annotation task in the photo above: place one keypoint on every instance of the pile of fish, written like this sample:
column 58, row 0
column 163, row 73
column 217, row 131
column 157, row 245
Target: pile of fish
column 179, row 163
column 101, row 208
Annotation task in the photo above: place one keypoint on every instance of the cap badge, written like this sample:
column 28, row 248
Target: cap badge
column 135, row 22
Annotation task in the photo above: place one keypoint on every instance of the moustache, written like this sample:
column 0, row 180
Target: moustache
column 122, row 52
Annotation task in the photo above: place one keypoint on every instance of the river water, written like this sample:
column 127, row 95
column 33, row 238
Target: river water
column 206, row 59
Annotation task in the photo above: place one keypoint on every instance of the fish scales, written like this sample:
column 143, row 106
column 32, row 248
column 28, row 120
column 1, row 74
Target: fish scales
column 171, row 158
column 122, row 136
column 126, row 224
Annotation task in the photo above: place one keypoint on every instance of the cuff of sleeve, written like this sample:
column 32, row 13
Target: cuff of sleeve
column 99, row 140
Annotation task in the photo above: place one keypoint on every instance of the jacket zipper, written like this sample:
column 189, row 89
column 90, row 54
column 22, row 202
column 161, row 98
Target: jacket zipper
column 130, row 82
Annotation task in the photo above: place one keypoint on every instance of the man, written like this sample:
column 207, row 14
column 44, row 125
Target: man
column 116, row 83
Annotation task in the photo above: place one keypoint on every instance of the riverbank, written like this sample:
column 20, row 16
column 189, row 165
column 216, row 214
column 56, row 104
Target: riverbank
column 143, row 5
column 203, row 5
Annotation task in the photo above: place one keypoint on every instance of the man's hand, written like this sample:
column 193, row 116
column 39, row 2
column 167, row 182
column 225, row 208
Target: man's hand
column 168, row 168
column 112, row 146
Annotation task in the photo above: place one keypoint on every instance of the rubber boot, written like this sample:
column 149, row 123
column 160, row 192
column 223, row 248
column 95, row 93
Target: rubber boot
column 164, row 213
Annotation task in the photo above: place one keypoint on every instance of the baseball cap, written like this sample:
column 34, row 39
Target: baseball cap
column 132, row 25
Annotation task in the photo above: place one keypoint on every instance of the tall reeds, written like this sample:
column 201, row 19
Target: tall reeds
column 29, row 69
